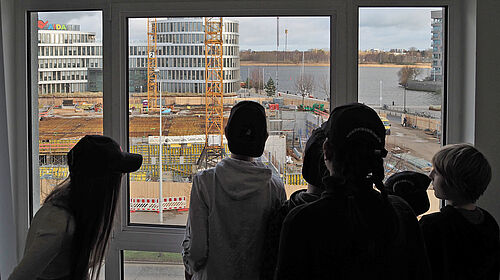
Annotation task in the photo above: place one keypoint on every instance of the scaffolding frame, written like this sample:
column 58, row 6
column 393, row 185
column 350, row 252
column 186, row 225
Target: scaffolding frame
column 152, row 64
column 213, row 149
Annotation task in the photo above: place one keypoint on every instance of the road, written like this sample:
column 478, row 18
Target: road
column 417, row 141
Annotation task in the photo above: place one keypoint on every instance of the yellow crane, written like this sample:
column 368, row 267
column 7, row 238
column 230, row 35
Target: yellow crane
column 152, row 65
column 213, row 149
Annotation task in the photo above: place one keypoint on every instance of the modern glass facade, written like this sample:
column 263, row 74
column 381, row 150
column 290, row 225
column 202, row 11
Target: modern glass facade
column 181, row 55
column 437, row 45
column 64, row 57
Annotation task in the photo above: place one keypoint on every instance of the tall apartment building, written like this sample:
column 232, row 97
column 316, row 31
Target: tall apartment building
column 181, row 55
column 64, row 56
column 437, row 45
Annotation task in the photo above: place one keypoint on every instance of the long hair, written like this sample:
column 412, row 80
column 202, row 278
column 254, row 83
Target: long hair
column 92, row 201
column 357, row 166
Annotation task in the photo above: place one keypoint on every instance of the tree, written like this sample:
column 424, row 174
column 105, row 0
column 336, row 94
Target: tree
column 407, row 73
column 304, row 85
column 270, row 87
column 324, row 85
column 255, row 79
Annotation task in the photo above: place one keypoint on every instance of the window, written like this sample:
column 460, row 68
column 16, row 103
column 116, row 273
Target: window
column 183, row 118
column 129, row 236
column 61, row 119
column 400, row 77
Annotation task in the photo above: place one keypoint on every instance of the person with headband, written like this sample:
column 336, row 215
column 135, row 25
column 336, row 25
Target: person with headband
column 353, row 231
column 231, row 203
column 68, row 235
column 462, row 239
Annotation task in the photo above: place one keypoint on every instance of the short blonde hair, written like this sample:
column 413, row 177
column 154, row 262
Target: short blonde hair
column 466, row 171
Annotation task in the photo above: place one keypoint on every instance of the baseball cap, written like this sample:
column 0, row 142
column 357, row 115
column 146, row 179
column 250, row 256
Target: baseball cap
column 412, row 187
column 314, row 168
column 246, row 129
column 100, row 155
column 356, row 122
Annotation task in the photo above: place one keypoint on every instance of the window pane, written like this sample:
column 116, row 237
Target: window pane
column 67, row 94
column 140, row 265
column 298, row 67
column 401, row 60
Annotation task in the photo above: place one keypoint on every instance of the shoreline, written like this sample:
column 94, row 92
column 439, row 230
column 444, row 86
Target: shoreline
column 386, row 65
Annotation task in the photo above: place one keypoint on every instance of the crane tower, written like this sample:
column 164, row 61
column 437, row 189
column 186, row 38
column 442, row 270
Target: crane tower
column 214, row 93
column 152, row 65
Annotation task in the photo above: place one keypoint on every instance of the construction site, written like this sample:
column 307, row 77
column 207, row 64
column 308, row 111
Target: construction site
column 180, row 134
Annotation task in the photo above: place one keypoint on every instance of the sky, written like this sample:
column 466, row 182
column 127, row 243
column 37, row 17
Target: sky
column 379, row 28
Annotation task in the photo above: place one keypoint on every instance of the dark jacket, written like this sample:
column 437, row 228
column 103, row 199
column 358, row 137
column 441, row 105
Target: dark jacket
column 271, row 243
column 459, row 249
column 352, row 233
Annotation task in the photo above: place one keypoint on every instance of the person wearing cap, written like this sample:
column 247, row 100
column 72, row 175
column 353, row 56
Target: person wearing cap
column 462, row 239
column 412, row 187
column 353, row 231
column 68, row 235
column 313, row 171
column 230, row 204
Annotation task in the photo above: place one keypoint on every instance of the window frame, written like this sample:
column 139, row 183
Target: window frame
column 344, row 28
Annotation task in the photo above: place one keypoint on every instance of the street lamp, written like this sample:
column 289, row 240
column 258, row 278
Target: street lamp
column 160, row 197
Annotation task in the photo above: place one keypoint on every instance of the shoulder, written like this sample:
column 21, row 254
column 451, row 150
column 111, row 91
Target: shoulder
column 276, row 180
column 438, row 221
column 204, row 173
column 203, row 177
column 488, row 218
column 54, row 219
column 304, row 213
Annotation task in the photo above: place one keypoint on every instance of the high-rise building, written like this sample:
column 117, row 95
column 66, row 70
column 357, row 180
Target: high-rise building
column 181, row 55
column 437, row 45
column 70, row 60
column 64, row 56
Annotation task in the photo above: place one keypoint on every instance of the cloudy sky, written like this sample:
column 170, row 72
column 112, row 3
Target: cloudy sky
column 379, row 28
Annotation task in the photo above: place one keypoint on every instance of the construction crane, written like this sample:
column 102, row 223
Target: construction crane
column 152, row 65
column 213, row 149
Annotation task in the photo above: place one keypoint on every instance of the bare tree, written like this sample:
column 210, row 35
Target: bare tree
column 304, row 85
column 255, row 80
column 324, row 85
column 407, row 73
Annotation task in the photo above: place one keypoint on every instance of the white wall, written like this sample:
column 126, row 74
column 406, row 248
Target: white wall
column 487, row 128
column 8, row 253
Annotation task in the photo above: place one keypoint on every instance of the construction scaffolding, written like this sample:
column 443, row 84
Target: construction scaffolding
column 213, row 149
column 152, row 65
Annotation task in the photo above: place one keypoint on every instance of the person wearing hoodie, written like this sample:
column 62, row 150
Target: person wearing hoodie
column 353, row 231
column 231, row 203
column 313, row 171
column 462, row 239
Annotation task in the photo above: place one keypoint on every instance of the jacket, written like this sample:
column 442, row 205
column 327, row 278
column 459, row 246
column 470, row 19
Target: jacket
column 228, row 214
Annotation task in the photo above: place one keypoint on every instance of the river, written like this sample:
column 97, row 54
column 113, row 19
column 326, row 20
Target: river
column 368, row 85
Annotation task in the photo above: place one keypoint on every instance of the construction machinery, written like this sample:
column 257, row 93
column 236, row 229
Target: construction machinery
column 213, row 149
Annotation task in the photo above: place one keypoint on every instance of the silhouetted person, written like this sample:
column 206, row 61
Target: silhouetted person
column 68, row 235
column 353, row 231
column 462, row 239
column 412, row 187
column 313, row 171
column 231, row 203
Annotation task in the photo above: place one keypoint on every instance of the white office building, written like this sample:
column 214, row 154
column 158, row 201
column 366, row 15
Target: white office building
column 64, row 56
column 181, row 55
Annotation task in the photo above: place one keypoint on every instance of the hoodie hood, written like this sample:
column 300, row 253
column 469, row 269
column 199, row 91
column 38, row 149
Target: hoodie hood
column 302, row 197
column 241, row 179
